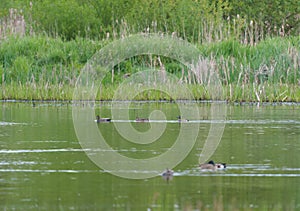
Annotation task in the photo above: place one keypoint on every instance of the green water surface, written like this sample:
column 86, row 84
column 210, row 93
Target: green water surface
column 43, row 167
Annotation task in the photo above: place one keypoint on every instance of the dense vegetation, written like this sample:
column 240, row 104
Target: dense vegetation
column 196, row 20
column 255, row 44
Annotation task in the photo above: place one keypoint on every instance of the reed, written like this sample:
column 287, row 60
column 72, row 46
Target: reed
column 232, row 93
column 13, row 25
column 41, row 67
column 33, row 91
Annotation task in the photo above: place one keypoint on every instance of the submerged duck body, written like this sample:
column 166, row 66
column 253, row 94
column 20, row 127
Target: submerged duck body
column 211, row 165
column 208, row 166
column 98, row 119
column 181, row 120
column 142, row 119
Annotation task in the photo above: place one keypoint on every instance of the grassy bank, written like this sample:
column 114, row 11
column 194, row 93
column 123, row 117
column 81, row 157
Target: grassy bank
column 45, row 68
column 232, row 93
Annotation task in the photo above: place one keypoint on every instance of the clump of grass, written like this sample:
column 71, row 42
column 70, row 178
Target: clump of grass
column 33, row 91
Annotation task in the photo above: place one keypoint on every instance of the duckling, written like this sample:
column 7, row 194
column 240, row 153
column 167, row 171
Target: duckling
column 182, row 120
column 211, row 165
column 98, row 119
column 141, row 119
column 167, row 174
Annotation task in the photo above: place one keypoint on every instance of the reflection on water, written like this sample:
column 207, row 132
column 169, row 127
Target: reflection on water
column 42, row 165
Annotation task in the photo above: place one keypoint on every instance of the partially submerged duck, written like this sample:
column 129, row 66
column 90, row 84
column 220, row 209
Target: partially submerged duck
column 98, row 119
column 141, row 119
column 167, row 174
column 182, row 120
column 211, row 165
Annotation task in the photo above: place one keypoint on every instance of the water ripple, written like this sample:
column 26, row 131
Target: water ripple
column 4, row 151
column 242, row 121
column 190, row 173
column 38, row 151
column 10, row 123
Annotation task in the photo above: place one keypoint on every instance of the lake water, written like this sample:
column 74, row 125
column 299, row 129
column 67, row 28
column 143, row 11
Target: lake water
column 43, row 166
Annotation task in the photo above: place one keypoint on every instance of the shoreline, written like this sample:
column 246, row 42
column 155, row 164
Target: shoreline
column 73, row 103
column 232, row 94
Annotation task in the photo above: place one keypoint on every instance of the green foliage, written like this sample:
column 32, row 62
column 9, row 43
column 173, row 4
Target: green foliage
column 44, row 58
column 197, row 21
column 19, row 70
column 278, row 17
column 7, row 4
column 67, row 18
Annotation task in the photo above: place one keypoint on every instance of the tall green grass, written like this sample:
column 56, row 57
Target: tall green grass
column 41, row 67
column 41, row 58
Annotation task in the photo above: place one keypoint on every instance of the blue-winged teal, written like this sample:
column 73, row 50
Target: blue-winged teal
column 98, row 119
column 167, row 174
column 182, row 120
column 141, row 119
column 211, row 165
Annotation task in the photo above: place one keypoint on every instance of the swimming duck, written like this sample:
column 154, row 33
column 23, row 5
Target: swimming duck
column 221, row 165
column 141, row 119
column 98, row 119
column 182, row 120
column 211, row 165
column 167, row 174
